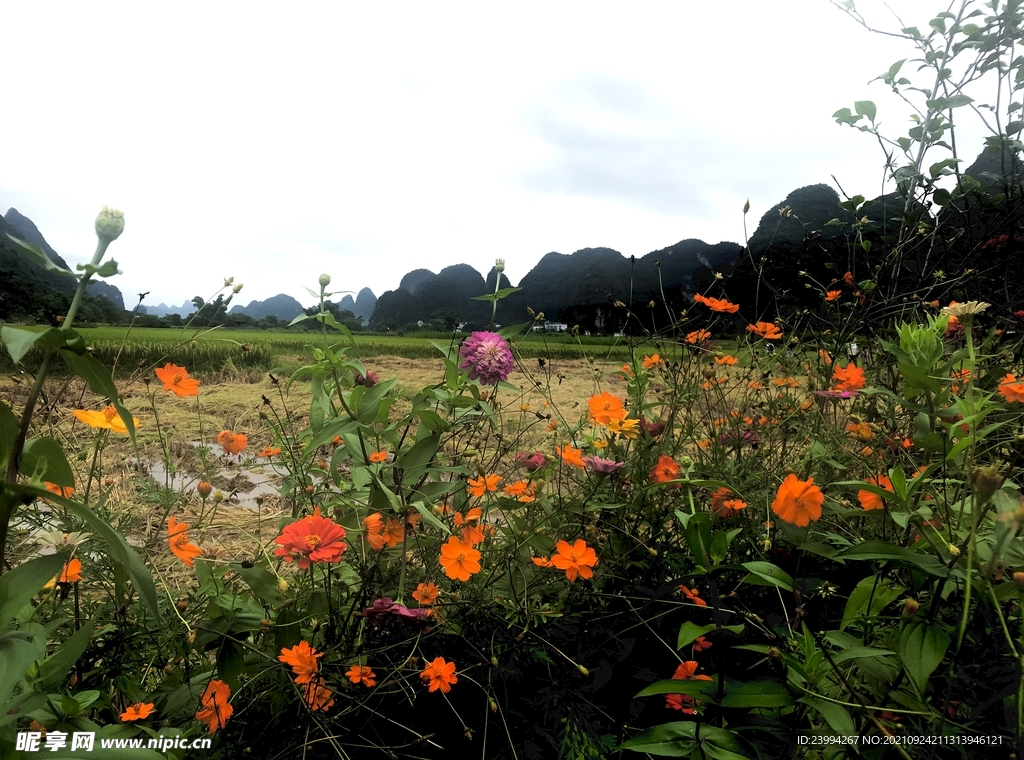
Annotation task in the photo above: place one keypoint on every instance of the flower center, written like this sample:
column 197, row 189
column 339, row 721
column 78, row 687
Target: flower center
column 177, row 378
column 109, row 413
column 313, row 540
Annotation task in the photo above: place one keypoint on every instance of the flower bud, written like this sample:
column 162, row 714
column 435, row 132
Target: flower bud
column 282, row 585
column 109, row 224
column 238, row 287
column 499, row 265
column 910, row 608
column 325, row 280
column 204, row 488
column 494, row 661
column 1018, row 579
column 986, row 480
column 953, row 551
column 583, row 670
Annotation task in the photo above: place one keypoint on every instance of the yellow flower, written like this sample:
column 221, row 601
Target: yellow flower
column 627, row 428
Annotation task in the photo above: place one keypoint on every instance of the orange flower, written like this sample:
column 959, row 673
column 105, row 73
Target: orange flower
column 860, row 431
column 108, row 419
column 361, row 674
column 693, row 596
column 826, row 357
column 303, row 659
column 378, row 456
column 848, row 278
column 717, row 304
column 604, row 407
column 684, row 702
column 724, row 503
column 177, row 538
column 755, row 384
column 1012, row 389
column 798, row 501
column 576, row 559
column 479, row 486
column 700, row 644
column 727, row 359
column 233, row 443
column 572, row 457
column 426, row 593
column 666, row 470
column 440, row 675
column 470, row 533
column 541, row 561
column 374, row 526
column 215, row 708
column 788, row 382
column 698, row 336
column 767, row 330
column 833, row 295
column 176, row 379
column 319, row 698
column 651, row 361
column 521, row 490
column 311, row 539
column 269, row 451
column 870, row 500
column 72, row 571
column 848, row 378
column 140, row 710
column 459, row 560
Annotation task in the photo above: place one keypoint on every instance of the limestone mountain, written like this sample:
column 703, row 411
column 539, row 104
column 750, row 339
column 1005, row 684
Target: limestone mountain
column 362, row 305
column 282, row 306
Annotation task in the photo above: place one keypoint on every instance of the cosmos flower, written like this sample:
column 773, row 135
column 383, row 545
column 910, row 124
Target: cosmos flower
column 575, row 559
column 439, row 674
column 215, row 708
column 717, row 304
column 798, row 501
column 181, row 547
column 767, row 330
column 176, row 380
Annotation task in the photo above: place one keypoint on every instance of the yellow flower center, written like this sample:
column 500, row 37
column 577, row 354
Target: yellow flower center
column 313, row 540
column 109, row 413
column 178, row 377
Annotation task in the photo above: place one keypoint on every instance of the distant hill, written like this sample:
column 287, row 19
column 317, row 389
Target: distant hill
column 162, row 309
column 362, row 306
column 27, row 231
column 442, row 300
column 282, row 306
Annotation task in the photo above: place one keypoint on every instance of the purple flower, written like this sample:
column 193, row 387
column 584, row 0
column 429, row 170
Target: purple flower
column 603, row 466
column 835, row 394
column 369, row 381
column 532, row 462
column 487, row 357
column 387, row 612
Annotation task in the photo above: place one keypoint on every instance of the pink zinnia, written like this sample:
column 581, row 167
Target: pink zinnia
column 603, row 466
column 532, row 462
column 487, row 357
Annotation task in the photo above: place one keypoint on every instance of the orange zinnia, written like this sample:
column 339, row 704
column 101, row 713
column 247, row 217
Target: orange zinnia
column 426, row 593
column 374, row 526
column 72, row 571
column 798, row 501
column 651, row 361
column 767, row 330
column 575, row 559
column 108, row 419
column 479, row 486
column 604, row 407
column 311, row 539
column 1012, row 389
column 440, row 675
column 870, row 500
column 459, row 560
column 138, row 711
column 727, row 359
column 176, row 380
column 666, row 470
column 698, row 336
column 177, row 538
column 303, row 659
column 832, row 295
column 378, row 456
column 684, row 702
column 717, row 304
column 693, row 595
column 572, row 457
column 319, row 698
column 215, row 708
column 233, row 443
column 361, row 674
column 848, row 378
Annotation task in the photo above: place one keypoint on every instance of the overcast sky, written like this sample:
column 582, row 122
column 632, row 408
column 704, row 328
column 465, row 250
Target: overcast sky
column 273, row 142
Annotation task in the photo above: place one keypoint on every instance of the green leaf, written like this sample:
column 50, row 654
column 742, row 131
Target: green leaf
column 865, row 108
column 880, row 593
column 770, row 574
column 764, row 693
column 18, row 652
column 431, row 519
column 262, row 582
column 18, row 586
column 922, row 647
column 496, row 296
column 44, row 459
column 36, row 255
column 119, row 549
column 836, row 716
column 8, row 434
column 20, row 341
column 882, row 550
column 689, row 632
column 414, row 460
column 681, row 739
column 367, row 412
column 106, row 269
column 54, row 668
column 701, row 689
